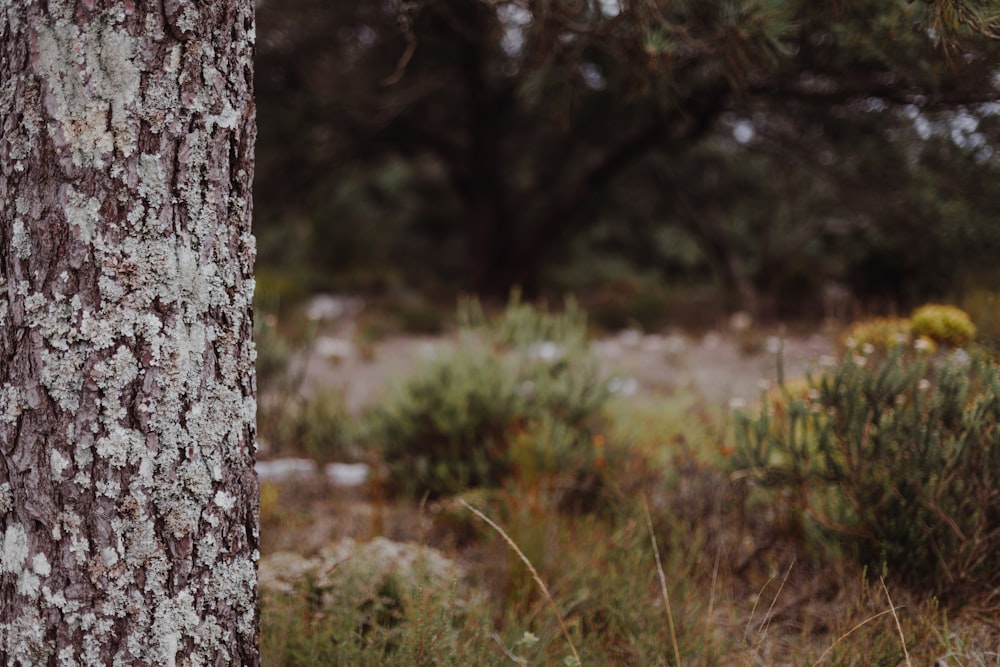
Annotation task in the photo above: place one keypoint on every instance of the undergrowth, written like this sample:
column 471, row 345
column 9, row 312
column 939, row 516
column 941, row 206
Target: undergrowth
column 850, row 521
column 896, row 457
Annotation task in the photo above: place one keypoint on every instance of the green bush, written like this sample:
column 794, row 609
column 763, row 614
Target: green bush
column 897, row 457
column 526, row 374
column 318, row 426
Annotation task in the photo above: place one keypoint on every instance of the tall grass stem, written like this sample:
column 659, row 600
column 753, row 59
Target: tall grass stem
column 899, row 627
column 663, row 583
column 534, row 573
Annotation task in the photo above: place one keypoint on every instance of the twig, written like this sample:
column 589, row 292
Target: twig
column 534, row 573
column 767, row 617
column 899, row 627
column 663, row 582
column 766, row 621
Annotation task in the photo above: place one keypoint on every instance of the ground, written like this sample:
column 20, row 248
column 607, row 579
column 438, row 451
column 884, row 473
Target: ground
column 722, row 367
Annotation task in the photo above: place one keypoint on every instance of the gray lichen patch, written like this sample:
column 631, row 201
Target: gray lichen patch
column 6, row 499
column 12, row 403
column 62, row 376
column 91, row 77
column 20, row 241
column 82, row 213
column 13, row 549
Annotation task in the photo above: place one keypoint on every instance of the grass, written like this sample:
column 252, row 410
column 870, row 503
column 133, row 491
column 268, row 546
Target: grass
column 534, row 574
column 641, row 584
column 674, row 562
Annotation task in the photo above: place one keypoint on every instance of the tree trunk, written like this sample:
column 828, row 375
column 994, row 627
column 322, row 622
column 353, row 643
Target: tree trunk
column 128, row 521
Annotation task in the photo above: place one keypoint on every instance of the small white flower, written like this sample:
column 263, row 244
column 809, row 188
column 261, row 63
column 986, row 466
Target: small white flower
column 924, row 384
column 960, row 357
column 827, row 361
column 545, row 351
column 773, row 344
column 859, row 360
column 867, row 349
column 851, row 343
column 623, row 386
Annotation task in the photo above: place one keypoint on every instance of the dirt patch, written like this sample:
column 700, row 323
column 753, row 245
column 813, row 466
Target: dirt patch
column 716, row 366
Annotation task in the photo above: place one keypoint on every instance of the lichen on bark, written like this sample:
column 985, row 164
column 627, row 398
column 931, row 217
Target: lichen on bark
column 127, row 398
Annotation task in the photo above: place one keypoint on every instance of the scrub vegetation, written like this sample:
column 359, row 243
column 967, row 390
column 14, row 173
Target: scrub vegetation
column 848, row 518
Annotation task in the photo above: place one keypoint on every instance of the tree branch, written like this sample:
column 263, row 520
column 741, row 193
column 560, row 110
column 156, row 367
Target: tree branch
column 688, row 123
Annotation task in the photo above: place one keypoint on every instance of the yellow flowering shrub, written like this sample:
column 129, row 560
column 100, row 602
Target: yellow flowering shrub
column 880, row 333
column 942, row 324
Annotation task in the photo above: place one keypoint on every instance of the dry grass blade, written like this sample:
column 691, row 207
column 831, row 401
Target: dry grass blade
column 844, row 636
column 534, row 574
column 663, row 583
column 766, row 621
column 711, row 598
column 899, row 627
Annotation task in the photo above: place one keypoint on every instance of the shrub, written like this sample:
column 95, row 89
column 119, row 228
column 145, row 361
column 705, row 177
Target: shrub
column 319, row 427
column 984, row 310
column 527, row 374
column 273, row 351
column 933, row 325
column 898, row 458
column 945, row 325
column 880, row 333
column 380, row 604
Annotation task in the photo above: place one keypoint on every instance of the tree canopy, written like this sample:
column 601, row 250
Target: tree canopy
column 782, row 143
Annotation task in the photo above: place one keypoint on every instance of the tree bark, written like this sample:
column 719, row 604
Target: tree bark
column 128, row 520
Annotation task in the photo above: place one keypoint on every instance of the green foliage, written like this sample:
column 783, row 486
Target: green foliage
column 273, row 351
column 468, row 145
column 318, row 427
column 945, row 325
column 984, row 311
column 898, row 458
column 526, row 375
column 358, row 609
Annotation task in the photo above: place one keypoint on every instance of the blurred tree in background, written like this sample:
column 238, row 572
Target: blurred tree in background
column 773, row 147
